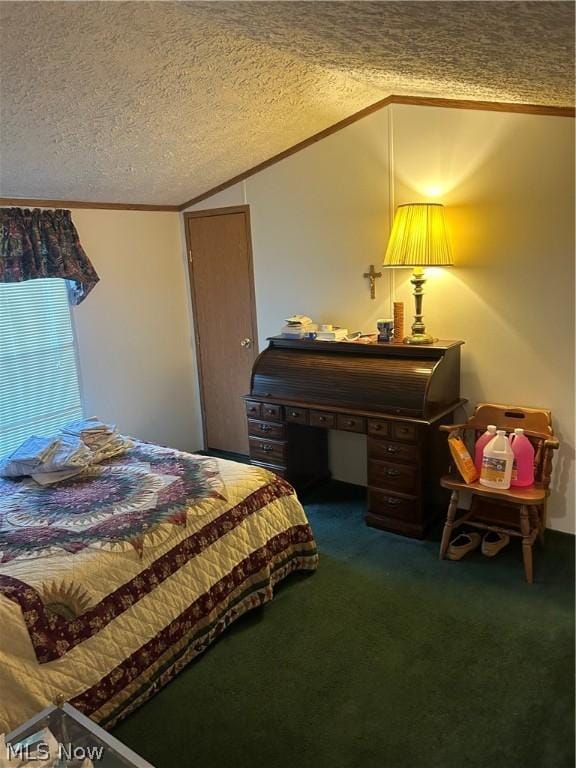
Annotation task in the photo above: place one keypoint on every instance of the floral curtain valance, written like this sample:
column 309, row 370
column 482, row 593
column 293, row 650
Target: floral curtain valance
column 35, row 243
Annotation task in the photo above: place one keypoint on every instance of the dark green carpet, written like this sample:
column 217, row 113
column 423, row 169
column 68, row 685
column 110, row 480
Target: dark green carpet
column 384, row 657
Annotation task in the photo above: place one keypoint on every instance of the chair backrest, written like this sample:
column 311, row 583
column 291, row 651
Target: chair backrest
column 537, row 424
column 509, row 417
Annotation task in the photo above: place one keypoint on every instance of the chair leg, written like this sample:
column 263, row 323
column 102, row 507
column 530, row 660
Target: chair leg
column 536, row 522
column 534, row 518
column 447, row 532
column 526, row 543
column 543, row 517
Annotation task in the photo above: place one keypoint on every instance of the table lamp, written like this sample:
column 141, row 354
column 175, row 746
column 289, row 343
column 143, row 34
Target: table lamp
column 418, row 239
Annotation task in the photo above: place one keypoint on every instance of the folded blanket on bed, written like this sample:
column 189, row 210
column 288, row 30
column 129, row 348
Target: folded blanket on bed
column 53, row 459
column 91, row 431
column 104, row 440
column 49, row 478
column 37, row 455
column 33, row 450
column 117, row 445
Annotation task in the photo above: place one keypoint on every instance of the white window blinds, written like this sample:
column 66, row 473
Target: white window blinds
column 39, row 389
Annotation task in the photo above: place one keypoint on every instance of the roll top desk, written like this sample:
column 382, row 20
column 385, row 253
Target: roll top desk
column 396, row 394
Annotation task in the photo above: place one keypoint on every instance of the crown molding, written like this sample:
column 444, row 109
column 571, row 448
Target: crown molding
column 36, row 203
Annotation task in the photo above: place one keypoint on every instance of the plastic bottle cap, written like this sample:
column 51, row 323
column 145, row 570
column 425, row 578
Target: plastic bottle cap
column 500, row 431
column 491, row 427
column 518, row 431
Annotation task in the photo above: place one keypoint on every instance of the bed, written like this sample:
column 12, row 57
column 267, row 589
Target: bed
column 110, row 584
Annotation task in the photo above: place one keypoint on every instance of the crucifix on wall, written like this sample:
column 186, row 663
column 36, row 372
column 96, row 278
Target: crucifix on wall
column 372, row 275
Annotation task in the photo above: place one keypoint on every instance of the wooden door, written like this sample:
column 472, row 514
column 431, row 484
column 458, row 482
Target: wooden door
column 222, row 283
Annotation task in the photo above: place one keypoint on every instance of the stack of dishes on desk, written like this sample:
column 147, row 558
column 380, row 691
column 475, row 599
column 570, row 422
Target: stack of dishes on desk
column 299, row 327
column 302, row 327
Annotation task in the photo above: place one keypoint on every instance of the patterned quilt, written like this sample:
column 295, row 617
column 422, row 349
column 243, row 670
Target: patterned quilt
column 112, row 582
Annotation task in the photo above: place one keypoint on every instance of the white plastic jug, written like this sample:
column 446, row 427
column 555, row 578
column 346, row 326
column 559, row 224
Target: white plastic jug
column 481, row 443
column 497, row 462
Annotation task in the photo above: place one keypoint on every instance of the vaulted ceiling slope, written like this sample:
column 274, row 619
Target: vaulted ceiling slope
column 156, row 102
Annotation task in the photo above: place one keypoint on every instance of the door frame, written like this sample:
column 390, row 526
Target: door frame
column 245, row 210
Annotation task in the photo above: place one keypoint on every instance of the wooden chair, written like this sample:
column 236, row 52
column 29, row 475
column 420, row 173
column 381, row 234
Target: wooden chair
column 519, row 512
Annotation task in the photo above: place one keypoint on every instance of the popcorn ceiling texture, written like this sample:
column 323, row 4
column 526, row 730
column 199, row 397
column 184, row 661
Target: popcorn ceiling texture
column 156, row 102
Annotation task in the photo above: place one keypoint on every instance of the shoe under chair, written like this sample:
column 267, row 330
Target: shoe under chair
column 492, row 542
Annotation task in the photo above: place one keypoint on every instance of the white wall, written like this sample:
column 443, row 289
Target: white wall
column 321, row 216
column 134, row 335
column 508, row 183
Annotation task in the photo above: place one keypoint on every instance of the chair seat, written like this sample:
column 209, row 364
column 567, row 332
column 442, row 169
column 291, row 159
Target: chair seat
column 532, row 494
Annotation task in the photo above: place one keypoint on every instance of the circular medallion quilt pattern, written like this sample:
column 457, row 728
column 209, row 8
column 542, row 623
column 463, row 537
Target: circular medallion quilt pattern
column 123, row 502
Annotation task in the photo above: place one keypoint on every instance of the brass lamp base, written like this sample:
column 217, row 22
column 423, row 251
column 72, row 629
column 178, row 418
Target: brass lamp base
column 419, row 338
column 418, row 335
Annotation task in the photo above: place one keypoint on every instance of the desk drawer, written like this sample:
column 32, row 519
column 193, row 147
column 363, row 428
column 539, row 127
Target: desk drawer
column 253, row 409
column 386, row 450
column 351, row 423
column 399, row 477
column 278, row 470
column 322, row 419
column 403, row 431
column 266, row 429
column 268, row 451
column 378, row 427
column 297, row 415
column 272, row 412
column 383, row 503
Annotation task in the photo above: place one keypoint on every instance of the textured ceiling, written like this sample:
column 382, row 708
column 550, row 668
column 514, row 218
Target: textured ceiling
column 157, row 102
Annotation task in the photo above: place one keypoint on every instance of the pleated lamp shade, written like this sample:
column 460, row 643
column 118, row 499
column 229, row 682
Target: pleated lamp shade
column 419, row 237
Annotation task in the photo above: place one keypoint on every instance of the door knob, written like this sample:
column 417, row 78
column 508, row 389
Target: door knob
column 247, row 343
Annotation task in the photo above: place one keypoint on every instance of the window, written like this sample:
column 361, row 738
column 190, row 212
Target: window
column 39, row 390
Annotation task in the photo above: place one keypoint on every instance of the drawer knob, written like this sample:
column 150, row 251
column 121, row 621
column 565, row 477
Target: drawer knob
column 392, row 449
column 392, row 501
column 266, row 448
column 377, row 427
column 393, row 472
column 294, row 413
column 265, row 427
column 322, row 418
column 349, row 423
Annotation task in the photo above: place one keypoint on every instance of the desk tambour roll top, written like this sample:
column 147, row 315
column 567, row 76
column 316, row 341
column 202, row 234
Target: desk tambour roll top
column 396, row 395
column 384, row 378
